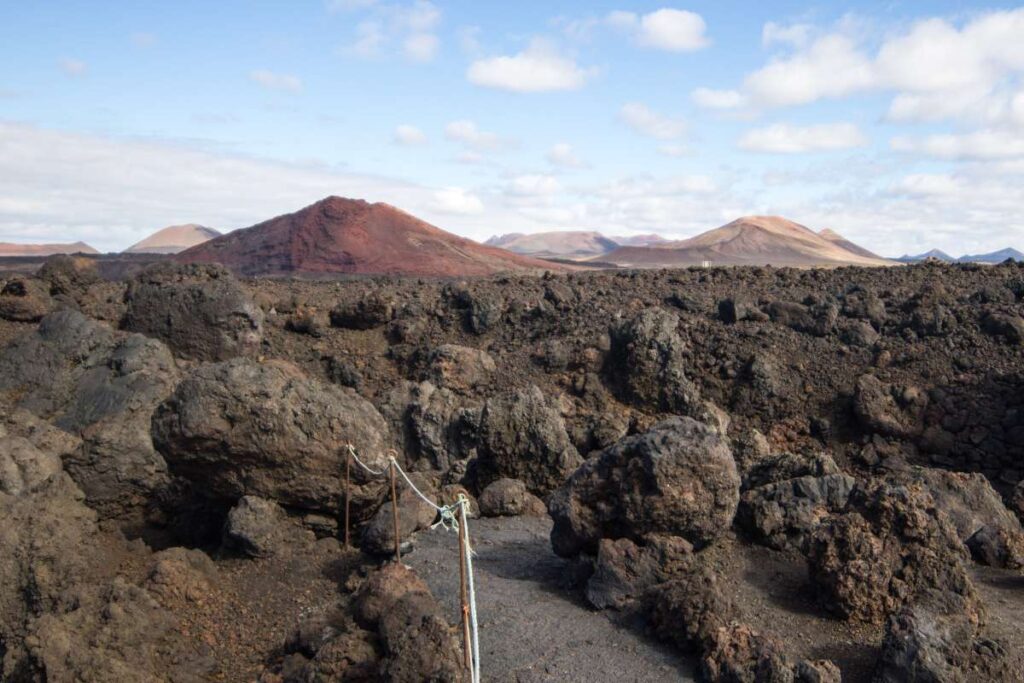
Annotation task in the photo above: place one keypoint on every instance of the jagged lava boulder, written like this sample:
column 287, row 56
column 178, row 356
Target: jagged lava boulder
column 102, row 386
column 522, row 437
column 678, row 478
column 889, row 547
column 246, row 428
column 200, row 310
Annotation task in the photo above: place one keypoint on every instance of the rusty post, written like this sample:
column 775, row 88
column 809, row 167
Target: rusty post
column 463, row 591
column 394, row 514
column 348, row 493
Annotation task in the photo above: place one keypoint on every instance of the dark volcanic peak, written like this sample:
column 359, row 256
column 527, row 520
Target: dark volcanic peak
column 339, row 235
column 11, row 249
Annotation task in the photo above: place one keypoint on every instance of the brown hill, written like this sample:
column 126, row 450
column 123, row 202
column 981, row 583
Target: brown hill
column 751, row 240
column 835, row 238
column 337, row 235
column 173, row 239
column 570, row 244
column 10, row 249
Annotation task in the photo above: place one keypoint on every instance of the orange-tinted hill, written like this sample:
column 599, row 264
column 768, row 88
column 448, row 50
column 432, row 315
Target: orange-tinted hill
column 337, row 235
column 173, row 239
column 10, row 249
column 751, row 240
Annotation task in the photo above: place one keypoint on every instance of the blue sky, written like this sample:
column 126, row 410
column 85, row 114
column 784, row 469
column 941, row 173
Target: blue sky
column 900, row 124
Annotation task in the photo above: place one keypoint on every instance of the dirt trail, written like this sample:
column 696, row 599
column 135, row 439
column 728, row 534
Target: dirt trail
column 531, row 628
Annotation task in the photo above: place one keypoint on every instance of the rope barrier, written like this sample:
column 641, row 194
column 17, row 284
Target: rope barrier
column 454, row 517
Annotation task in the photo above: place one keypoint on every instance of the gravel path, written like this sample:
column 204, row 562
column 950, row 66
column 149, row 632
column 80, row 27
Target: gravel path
column 531, row 628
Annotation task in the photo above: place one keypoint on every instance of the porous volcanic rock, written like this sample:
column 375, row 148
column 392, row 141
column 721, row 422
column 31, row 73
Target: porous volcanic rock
column 892, row 545
column 200, row 311
column 783, row 514
column 678, row 478
column 647, row 361
column 363, row 313
column 24, row 300
column 977, row 512
column 101, row 386
column 413, row 515
column 935, row 640
column 255, row 526
column 889, row 410
column 459, row 368
column 689, row 609
column 740, row 654
column 68, row 276
column 510, row 498
column 623, row 571
column 522, row 437
column 23, row 466
column 440, row 426
column 246, row 428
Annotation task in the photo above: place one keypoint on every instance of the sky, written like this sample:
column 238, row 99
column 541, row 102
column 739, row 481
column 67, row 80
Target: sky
column 898, row 124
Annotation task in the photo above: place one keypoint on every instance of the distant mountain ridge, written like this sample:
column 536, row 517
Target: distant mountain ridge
column 939, row 255
column 751, row 240
column 559, row 244
column 12, row 249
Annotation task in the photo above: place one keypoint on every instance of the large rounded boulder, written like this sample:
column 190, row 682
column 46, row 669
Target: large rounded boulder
column 242, row 428
column 199, row 310
column 678, row 479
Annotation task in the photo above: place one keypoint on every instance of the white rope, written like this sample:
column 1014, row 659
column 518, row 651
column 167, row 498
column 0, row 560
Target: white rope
column 449, row 521
column 475, row 660
column 352, row 452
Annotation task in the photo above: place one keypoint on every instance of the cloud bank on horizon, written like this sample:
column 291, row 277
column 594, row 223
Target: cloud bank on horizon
column 899, row 125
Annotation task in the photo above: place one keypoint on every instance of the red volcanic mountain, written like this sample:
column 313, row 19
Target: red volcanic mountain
column 338, row 235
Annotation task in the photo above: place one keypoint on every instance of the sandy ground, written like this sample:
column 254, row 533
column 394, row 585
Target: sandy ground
column 531, row 627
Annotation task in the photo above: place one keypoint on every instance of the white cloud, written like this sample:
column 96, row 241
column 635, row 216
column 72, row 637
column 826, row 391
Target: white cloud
column 831, row 67
column 667, row 29
column 275, row 81
column 562, row 154
column 111, row 192
column 409, row 136
column 538, row 68
column 718, row 99
column 470, row 136
column 73, row 67
column 936, row 68
column 457, row 200
column 928, row 184
column 985, row 144
column 421, row 47
column 534, row 185
column 646, row 121
column 791, row 34
column 786, row 139
column 408, row 28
